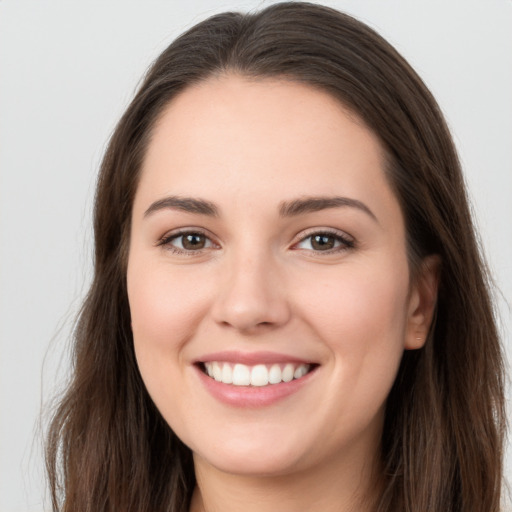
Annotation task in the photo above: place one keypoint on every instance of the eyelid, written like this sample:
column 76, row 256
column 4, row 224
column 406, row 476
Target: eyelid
column 165, row 240
column 347, row 241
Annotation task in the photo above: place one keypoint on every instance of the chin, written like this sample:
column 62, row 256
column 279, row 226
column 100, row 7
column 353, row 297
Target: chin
column 243, row 456
column 250, row 464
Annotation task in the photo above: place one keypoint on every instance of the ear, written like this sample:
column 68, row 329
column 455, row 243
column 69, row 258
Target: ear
column 422, row 302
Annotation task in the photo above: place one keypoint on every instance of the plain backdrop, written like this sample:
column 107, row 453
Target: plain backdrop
column 67, row 71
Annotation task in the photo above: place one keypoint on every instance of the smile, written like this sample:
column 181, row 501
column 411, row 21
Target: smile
column 258, row 375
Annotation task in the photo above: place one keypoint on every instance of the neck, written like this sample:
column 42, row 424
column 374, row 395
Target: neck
column 331, row 488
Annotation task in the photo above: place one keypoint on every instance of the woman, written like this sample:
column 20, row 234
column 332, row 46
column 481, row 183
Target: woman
column 289, row 310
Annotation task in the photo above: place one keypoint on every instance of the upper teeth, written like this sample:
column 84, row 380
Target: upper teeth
column 258, row 375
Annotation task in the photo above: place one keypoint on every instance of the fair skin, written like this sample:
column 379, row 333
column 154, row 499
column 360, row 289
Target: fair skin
column 265, row 234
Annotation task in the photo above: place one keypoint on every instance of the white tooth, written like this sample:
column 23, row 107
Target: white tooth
column 288, row 373
column 259, row 375
column 209, row 370
column 217, row 371
column 275, row 374
column 241, row 375
column 300, row 371
column 227, row 373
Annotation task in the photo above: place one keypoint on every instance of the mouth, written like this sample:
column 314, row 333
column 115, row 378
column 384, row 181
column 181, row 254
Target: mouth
column 257, row 375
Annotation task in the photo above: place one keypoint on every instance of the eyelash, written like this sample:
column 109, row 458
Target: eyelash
column 344, row 242
column 166, row 242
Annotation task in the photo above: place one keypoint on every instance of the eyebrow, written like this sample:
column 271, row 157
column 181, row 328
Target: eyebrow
column 315, row 204
column 187, row 204
column 286, row 208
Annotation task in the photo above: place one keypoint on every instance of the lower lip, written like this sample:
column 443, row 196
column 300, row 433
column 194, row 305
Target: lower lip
column 252, row 396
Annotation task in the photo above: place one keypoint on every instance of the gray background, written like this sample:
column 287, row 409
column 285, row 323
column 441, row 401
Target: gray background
column 67, row 71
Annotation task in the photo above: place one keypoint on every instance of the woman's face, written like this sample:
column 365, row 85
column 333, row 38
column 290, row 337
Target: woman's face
column 266, row 245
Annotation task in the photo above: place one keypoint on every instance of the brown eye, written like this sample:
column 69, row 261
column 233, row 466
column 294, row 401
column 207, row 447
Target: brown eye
column 193, row 241
column 323, row 242
column 326, row 242
column 187, row 242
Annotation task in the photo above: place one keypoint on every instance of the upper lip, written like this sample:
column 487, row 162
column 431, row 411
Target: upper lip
column 251, row 358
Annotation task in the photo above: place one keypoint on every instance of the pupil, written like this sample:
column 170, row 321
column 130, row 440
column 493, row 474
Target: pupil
column 323, row 242
column 193, row 241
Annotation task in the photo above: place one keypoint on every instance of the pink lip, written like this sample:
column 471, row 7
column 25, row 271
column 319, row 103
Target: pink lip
column 249, row 396
column 251, row 358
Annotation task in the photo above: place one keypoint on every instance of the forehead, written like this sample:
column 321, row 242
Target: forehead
column 233, row 137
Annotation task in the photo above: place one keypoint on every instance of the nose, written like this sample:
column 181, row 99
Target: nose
column 252, row 296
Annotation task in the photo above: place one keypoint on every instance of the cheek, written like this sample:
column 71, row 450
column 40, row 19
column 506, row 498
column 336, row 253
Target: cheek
column 358, row 302
column 164, row 305
column 361, row 317
column 165, row 309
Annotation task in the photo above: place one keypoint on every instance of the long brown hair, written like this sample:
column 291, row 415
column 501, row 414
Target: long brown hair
column 108, row 447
